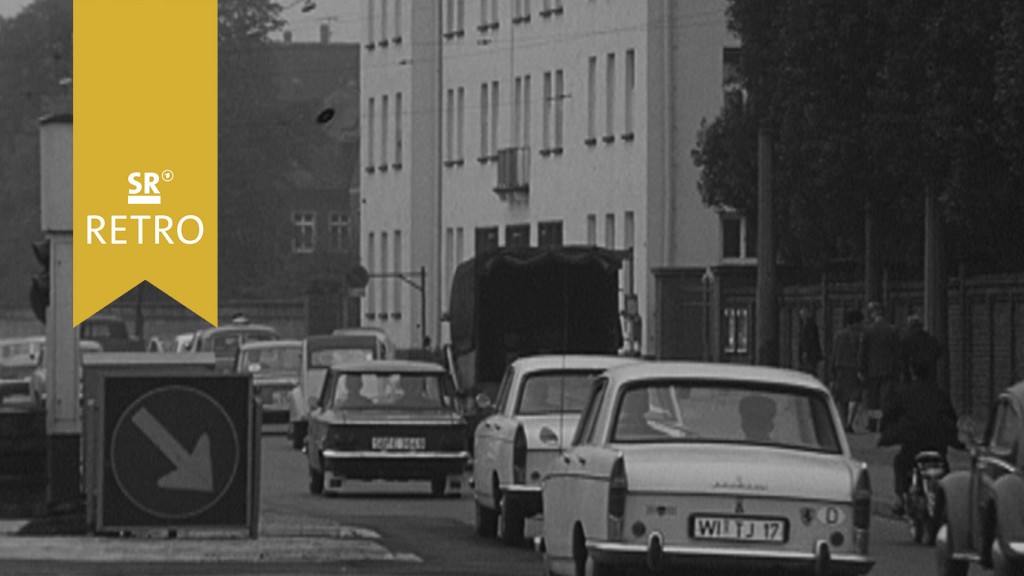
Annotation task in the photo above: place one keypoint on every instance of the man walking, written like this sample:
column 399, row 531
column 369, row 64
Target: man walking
column 920, row 349
column 844, row 367
column 880, row 362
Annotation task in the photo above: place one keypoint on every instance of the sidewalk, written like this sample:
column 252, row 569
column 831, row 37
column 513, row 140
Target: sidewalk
column 879, row 460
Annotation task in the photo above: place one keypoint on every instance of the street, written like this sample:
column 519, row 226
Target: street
column 397, row 528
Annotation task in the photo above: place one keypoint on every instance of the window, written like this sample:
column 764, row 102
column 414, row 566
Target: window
column 383, row 133
column 459, row 237
column 370, row 119
column 398, row 22
column 396, row 311
column 526, row 111
column 384, row 22
column 460, row 17
column 486, row 239
column 449, row 258
column 630, row 87
column 483, row 24
column 449, row 141
column 737, row 330
column 305, row 232
column 369, row 18
column 384, row 255
column 559, row 101
column 520, row 11
column 488, row 15
column 484, row 140
column 460, row 122
column 339, row 227
column 628, row 242
column 609, row 88
column 517, row 104
column 371, row 294
column 517, row 235
column 591, row 229
column 591, row 100
column 398, row 131
column 609, row 231
column 495, row 106
column 449, row 21
column 588, row 419
column 549, row 234
column 738, row 242
column 731, row 82
column 546, row 119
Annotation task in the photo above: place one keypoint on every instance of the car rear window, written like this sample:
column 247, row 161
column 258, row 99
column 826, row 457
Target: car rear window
column 727, row 412
column 555, row 392
column 327, row 357
column 390, row 391
column 272, row 360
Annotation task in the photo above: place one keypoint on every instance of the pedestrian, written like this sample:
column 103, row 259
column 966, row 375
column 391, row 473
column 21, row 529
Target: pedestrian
column 880, row 362
column 844, row 367
column 918, row 417
column 809, row 342
column 920, row 349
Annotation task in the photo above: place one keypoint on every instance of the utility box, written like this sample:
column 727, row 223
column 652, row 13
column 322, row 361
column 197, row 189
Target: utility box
column 169, row 444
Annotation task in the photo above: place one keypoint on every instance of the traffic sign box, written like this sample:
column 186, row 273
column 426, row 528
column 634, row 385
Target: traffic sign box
column 172, row 447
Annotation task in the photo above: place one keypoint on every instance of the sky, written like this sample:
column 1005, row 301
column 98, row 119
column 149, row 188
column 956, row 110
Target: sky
column 342, row 15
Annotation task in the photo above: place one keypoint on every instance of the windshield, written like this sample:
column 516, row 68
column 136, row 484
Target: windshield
column 225, row 344
column 554, row 392
column 396, row 390
column 271, row 360
column 728, row 412
column 328, row 357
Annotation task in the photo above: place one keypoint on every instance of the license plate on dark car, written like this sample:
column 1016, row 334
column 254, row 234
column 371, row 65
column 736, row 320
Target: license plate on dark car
column 398, row 443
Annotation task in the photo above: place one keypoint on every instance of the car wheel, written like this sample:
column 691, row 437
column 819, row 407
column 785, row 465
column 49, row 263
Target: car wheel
column 438, row 486
column 946, row 565
column 486, row 521
column 511, row 523
column 316, row 481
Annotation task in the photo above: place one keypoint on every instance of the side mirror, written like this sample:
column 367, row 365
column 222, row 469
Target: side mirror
column 483, row 401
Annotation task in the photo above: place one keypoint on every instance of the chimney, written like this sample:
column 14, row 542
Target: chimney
column 325, row 33
column 287, row 36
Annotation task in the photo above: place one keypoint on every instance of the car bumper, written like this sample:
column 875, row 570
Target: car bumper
column 394, row 465
column 523, row 497
column 819, row 560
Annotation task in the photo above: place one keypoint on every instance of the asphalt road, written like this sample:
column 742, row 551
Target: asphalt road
column 430, row 535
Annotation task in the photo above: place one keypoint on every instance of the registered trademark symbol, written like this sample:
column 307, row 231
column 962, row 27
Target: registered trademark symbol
column 167, row 175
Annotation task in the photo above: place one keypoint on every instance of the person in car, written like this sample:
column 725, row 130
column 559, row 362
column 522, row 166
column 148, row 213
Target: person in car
column 758, row 418
column 414, row 394
column 354, row 393
column 632, row 423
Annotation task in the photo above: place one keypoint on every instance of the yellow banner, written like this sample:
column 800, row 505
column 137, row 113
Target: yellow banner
column 145, row 151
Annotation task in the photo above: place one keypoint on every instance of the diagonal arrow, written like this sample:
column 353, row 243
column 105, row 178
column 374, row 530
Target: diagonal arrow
column 192, row 471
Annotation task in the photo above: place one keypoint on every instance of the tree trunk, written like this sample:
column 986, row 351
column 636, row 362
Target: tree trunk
column 767, row 302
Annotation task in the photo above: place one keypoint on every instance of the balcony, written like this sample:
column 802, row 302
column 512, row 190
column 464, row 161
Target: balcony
column 513, row 173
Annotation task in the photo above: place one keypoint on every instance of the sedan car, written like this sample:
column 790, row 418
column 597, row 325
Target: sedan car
column 320, row 353
column 984, row 507
column 389, row 420
column 275, row 367
column 537, row 409
column 701, row 466
column 225, row 340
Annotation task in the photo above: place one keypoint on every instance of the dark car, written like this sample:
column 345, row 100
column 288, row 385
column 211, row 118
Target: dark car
column 983, row 508
column 390, row 420
column 224, row 341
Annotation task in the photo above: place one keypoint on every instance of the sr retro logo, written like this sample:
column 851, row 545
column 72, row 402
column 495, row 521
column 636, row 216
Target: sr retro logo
column 153, row 229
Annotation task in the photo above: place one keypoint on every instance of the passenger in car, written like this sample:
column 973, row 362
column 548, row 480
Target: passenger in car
column 413, row 393
column 758, row 418
column 354, row 388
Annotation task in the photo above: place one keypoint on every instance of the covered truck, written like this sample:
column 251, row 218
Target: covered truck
column 514, row 302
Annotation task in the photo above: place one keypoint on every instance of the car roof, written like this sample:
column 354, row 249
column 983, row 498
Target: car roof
column 709, row 371
column 237, row 328
column 263, row 344
column 361, row 331
column 570, row 362
column 389, row 367
column 22, row 340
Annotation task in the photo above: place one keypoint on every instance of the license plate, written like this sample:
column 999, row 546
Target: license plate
column 398, row 443
column 738, row 528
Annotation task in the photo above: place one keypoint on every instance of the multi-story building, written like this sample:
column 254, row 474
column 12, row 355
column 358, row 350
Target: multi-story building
column 543, row 122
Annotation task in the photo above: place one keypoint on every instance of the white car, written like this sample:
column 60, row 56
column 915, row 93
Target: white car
column 536, row 411
column 700, row 466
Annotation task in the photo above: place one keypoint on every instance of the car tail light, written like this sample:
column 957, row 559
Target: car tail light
column 519, row 457
column 617, row 487
column 862, row 500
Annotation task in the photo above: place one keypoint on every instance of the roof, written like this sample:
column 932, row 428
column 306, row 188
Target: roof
column 708, row 371
column 264, row 344
column 389, row 367
column 237, row 328
column 570, row 361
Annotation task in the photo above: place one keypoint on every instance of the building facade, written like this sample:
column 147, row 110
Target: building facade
column 490, row 123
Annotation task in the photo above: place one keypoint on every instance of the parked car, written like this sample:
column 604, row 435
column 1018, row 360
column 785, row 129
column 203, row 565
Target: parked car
column 19, row 357
column 321, row 352
column 275, row 367
column 225, row 340
column 699, row 466
column 388, row 419
column 112, row 334
column 538, row 405
column 983, row 508
column 37, row 382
